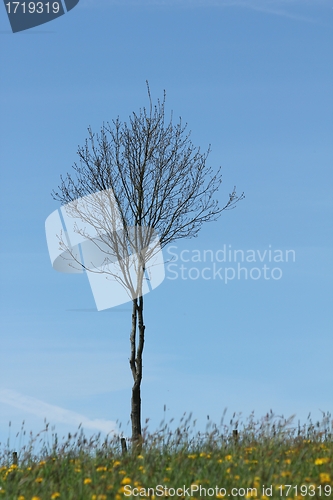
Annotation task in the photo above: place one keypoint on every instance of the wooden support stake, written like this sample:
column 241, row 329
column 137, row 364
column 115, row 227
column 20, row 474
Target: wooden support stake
column 123, row 446
column 14, row 457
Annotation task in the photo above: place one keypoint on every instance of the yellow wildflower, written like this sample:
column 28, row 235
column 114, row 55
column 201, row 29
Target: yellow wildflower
column 229, row 458
column 324, row 478
column 87, row 480
column 192, row 456
column 256, row 484
column 126, row 480
column 55, row 495
column 101, row 468
column 39, row 480
column 321, row 461
column 251, row 494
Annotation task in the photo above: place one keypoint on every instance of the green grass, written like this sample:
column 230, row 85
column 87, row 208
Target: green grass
column 218, row 463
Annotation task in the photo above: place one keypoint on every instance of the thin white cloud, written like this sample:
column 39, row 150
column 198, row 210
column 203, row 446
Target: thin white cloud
column 284, row 8
column 54, row 413
column 255, row 4
column 277, row 7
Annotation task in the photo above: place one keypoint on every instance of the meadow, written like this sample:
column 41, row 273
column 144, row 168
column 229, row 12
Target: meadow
column 258, row 459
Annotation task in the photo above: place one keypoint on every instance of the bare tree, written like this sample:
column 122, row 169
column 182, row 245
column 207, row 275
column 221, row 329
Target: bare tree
column 162, row 190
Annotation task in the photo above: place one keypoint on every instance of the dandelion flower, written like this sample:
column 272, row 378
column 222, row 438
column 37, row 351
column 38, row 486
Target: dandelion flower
column 321, row 461
column 251, row 494
column 126, row 480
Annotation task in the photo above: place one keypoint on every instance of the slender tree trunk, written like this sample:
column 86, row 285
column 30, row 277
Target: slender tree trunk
column 136, row 368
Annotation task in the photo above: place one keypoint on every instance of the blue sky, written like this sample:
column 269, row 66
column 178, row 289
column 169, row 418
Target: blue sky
column 254, row 80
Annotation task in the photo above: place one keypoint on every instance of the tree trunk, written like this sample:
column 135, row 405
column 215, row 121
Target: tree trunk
column 136, row 368
column 136, row 414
